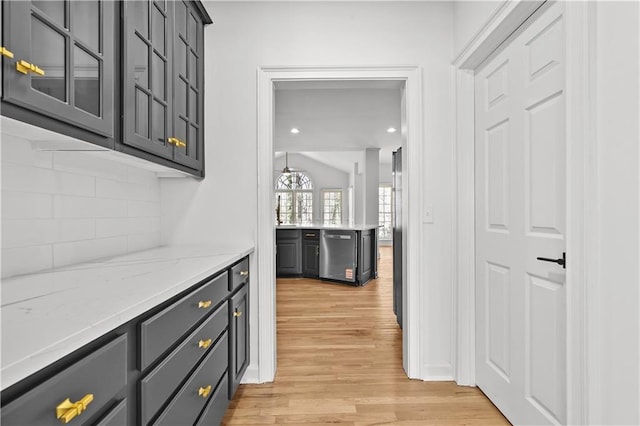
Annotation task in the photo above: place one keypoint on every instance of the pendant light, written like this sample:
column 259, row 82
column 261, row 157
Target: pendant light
column 286, row 170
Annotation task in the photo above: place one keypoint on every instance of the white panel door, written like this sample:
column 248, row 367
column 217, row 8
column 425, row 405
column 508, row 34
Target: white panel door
column 520, row 215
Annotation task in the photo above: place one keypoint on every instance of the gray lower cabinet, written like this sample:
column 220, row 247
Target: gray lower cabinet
column 94, row 382
column 61, row 63
column 117, row 416
column 192, row 397
column 178, row 364
column 367, row 256
column 239, row 331
column 311, row 253
column 288, row 252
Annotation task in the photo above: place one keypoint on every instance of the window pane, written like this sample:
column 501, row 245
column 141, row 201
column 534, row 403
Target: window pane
column 332, row 207
column 284, row 207
column 86, row 22
column 385, row 212
column 55, row 9
column 304, row 207
column 48, row 46
column 141, row 59
column 158, row 28
column 86, row 78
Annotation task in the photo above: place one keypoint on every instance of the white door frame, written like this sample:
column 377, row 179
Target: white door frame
column 412, row 205
column 582, row 287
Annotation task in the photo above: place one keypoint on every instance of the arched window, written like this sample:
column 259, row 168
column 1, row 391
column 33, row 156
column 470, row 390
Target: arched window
column 294, row 199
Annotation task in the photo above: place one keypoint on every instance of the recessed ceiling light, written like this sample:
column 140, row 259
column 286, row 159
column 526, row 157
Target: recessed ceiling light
column 391, row 130
column 295, row 130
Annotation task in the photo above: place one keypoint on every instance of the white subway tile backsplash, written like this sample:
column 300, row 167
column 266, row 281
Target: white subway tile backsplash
column 65, row 207
column 70, row 206
column 106, row 188
column 26, row 205
column 142, row 208
column 19, row 151
column 82, row 251
column 24, row 260
column 90, row 164
column 26, row 232
column 142, row 241
column 111, row 227
column 16, row 177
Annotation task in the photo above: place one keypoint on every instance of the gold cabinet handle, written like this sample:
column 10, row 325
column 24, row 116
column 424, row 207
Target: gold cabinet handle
column 204, row 304
column 237, row 314
column 244, row 273
column 177, row 142
column 204, row 343
column 204, row 392
column 6, row 52
column 24, row 67
column 67, row 410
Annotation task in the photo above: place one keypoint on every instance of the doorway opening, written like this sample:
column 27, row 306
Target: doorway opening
column 268, row 80
column 335, row 148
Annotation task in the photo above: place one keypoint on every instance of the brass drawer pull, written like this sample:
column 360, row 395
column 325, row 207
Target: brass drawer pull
column 204, row 343
column 24, row 67
column 204, row 392
column 67, row 410
column 204, row 304
column 237, row 314
column 177, row 142
column 244, row 273
column 6, row 52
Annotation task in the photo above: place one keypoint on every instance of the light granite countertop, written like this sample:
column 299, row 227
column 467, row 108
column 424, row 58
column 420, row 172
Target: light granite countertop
column 50, row 314
column 337, row 227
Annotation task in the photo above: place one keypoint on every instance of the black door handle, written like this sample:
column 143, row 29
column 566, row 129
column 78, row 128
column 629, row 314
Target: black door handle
column 562, row 261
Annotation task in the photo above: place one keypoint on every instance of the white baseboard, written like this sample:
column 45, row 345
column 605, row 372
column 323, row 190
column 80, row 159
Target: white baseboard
column 437, row 373
column 251, row 375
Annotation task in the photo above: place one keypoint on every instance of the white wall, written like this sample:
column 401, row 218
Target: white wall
column 618, row 109
column 247, row 35
column 322, row 176
column 468, row 18
column 60, row 208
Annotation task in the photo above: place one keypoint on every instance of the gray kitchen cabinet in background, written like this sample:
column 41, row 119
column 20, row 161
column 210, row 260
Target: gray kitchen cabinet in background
column 311, row 253
column 163, row 79
column 288, row 252
column 63, row 65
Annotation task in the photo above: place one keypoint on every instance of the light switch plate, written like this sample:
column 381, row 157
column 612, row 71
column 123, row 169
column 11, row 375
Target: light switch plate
column 428, row 214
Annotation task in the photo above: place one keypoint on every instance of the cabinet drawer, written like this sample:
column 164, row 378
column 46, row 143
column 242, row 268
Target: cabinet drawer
column 217, row 405
column 287, row 234
column 103, row 373
column 239, row 274
column 160, row 383
column 117, row 416
column 185, row 408
column 161, row 331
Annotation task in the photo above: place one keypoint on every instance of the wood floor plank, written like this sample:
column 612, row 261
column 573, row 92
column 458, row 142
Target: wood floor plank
column 340, row 362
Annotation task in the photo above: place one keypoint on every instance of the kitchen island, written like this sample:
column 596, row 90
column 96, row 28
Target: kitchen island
column 330, row 252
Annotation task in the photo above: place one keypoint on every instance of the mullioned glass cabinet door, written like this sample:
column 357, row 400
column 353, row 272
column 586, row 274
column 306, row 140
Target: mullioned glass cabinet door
column 147, row 76
column 63, row 62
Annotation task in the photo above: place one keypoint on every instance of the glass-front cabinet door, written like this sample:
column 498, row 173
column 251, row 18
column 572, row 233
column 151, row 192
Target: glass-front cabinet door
column 147, row 77
column 188, row 78
column 63, row 60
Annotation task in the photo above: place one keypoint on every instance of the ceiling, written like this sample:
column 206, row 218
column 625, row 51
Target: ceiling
column 345, row 116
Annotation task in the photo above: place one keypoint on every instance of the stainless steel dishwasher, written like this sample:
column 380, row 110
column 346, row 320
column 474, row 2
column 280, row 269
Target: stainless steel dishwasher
column 338, row 255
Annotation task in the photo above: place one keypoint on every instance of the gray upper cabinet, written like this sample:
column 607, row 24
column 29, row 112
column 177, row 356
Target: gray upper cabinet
column 163, row 79
column 61, row 62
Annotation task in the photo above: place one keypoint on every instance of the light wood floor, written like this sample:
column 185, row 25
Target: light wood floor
column 340, row 361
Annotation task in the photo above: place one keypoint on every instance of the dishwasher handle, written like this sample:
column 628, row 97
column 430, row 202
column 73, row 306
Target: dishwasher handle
column 337, row 236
